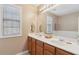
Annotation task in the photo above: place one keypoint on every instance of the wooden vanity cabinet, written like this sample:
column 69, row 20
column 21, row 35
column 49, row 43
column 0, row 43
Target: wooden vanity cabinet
column 48, row 49
column 39, row 47
column 36, row 47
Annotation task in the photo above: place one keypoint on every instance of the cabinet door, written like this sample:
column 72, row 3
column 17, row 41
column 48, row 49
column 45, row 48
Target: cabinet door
column 46, row 52
column 39, row 43
column 62, row 52
column 33, row 46
column 39, row 50
column 29, row 44
column 39, row 47
column 49, row 49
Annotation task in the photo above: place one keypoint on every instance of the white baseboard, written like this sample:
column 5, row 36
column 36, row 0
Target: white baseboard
column 23, row 53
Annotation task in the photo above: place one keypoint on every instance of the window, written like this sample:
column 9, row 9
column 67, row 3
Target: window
column 11, row 20
column 49, row 24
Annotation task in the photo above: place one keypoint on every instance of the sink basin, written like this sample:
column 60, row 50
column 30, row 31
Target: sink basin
column 64, row 41
column 39, row 34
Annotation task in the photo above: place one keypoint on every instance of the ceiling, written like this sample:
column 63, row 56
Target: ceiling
column 64, row 9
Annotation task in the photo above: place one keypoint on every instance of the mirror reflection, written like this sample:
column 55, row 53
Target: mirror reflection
column 60, row 19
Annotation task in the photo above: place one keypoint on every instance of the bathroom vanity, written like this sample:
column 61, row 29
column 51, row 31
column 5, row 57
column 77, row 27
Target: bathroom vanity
column 39, row 45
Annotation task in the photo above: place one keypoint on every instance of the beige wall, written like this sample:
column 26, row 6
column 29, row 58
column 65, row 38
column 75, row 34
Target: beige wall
column 29, row 18
column 68, row 22
column 16, row 44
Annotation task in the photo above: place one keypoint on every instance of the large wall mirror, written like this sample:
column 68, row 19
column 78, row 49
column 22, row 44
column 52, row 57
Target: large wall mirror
column 66, row 20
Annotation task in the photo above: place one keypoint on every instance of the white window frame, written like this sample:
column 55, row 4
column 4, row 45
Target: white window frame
column 20, row 23
column 49, row 20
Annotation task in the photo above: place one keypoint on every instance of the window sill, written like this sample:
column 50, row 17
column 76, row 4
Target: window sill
column 11, row 36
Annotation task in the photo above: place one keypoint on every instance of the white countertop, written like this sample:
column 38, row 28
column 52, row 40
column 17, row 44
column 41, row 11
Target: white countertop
column 73, row 48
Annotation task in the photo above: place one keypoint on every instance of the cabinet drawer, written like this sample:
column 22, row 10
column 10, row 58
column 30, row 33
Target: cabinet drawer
column 49, row 48
column 39, row 43
column 39, row 50
column 62, row 52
